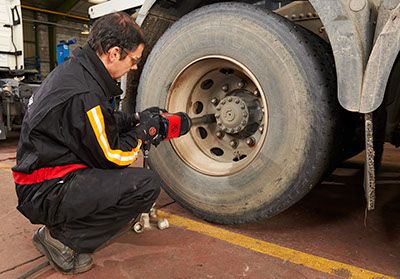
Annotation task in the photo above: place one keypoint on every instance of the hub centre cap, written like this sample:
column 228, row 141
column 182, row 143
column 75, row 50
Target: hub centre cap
column 232, row 114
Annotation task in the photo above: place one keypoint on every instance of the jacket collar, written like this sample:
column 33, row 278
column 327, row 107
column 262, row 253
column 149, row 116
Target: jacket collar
column 88, row 58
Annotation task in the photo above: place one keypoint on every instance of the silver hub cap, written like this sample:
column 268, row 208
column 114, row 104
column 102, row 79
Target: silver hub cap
column 232, row 114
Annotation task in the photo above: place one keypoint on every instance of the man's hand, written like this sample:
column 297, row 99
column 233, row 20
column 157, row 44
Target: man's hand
column 149, row 127
column 154, row 110
column 167, row 125
column 149, row 112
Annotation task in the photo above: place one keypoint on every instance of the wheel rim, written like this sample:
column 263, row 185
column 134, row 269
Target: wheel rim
column 224, row 92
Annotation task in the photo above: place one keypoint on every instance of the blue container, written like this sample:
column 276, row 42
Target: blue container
column 63, row 52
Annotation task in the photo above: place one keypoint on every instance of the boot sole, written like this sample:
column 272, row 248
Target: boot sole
column 37, row 242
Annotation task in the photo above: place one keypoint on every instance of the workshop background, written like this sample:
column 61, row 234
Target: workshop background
column 46, row 24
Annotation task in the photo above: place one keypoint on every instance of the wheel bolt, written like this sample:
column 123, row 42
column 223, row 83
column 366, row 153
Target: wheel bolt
column 261, row 129
column 241, row 84
column 233, row 143
column 223, row 102
column 219, row 134
column 237, row 101
column 230, row 99
column 251, row 141
column 214, row 101
column 256, row 93
column 225, row 88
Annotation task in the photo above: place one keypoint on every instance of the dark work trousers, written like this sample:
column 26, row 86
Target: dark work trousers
column 87, row 207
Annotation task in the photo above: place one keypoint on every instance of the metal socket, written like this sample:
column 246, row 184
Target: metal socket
column 163, row 224
column 138, row 227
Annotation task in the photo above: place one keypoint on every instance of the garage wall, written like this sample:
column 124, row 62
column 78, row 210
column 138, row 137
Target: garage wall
column 66, row 34
column 36, row 39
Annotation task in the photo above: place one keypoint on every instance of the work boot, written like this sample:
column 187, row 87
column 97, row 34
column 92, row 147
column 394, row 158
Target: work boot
column 60, row 256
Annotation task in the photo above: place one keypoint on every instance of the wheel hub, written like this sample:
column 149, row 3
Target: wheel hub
column 225, row 89
column 232, row 114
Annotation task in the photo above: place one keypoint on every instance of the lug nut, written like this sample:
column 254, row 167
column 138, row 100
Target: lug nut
column 256, row 93
column 214, row 101
column 251, row 141
column 261, row 129
column 233, row 143
column 225, row 88
column 241, row 84
column 223, row 102
column 237, row 101
column 219, row 134
column 230, row 99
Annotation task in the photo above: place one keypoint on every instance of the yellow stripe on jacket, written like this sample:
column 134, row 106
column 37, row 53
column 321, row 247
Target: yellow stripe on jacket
column 119, row 157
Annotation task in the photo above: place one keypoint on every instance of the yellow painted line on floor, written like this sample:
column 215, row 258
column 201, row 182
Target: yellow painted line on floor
column 270, row 249
column 5, row 167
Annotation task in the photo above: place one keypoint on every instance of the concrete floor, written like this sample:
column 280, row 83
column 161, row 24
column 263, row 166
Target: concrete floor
column 325, row 235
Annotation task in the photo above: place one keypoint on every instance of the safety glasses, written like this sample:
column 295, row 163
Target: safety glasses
column 134, row 60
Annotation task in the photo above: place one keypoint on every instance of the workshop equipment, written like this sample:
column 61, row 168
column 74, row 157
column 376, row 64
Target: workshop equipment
column 17, row 83
column 172, row 125
column 146, row 219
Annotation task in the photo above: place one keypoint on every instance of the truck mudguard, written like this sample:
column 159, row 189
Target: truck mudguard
column 380, row 63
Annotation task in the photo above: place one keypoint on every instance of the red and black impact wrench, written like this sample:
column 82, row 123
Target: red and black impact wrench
column 172, row 125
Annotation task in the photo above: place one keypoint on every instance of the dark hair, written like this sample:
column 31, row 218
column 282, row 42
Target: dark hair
column 117, row 29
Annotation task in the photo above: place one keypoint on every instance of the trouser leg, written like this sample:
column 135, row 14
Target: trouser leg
column 98, row 203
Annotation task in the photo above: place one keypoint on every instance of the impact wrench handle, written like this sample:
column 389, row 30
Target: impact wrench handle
column 146, row 151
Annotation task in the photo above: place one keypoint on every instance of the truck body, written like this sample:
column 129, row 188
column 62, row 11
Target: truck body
column 14, row 90
column 295, row 87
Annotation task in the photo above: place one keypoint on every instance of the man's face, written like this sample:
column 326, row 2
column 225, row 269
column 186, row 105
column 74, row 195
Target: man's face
column 118, row 67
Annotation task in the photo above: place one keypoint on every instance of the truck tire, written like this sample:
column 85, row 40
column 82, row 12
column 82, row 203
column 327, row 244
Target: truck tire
column 275, row 113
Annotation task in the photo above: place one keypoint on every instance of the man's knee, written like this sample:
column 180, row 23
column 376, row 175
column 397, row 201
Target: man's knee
column 142, row 187
column 154, row 184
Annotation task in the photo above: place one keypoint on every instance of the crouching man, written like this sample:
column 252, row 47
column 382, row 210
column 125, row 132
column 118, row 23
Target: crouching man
column 71, row 172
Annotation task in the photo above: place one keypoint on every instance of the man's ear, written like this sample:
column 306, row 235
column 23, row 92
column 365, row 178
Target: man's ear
column 114, row 54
